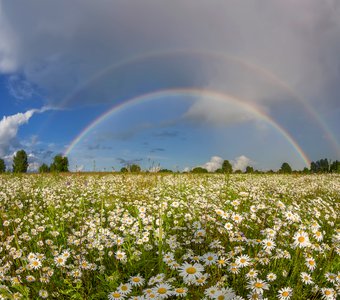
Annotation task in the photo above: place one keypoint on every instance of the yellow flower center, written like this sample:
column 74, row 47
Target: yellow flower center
column 221, row 297
column 180, row 290
column 312, row 262
column 191, row 270
column 124, row 288
column 328, row 292
column 242, row 260
column 116, row 295
column 259, row 285
column 162, row 290
column 136, row 279
column 210, row 258
column 301, row 239
column 285, row 294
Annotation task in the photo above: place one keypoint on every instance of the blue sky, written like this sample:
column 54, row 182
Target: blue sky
column 274, row 65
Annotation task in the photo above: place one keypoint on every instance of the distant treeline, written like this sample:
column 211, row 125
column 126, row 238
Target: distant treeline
column 61, row 164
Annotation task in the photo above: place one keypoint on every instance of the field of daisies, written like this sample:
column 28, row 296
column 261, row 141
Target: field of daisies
column 171, row 236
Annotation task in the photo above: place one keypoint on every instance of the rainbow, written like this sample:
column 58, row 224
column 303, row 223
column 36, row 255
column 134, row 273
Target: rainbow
column 270, row 76
column 190, row 92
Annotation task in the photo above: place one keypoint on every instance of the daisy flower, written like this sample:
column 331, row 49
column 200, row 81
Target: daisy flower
column 136, row 280
column 310, row 263
column 181, row 291
column 258, row 286
column 163, row 290
column 191, row 271
column 301, row 239
column 124, row 288
column 268, row 244
column 285, row 293
column 328, row 294
column 243, row 261
column 271, row 276
column 306, row 278
column 116, row 295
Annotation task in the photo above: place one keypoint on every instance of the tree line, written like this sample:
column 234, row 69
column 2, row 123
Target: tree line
column 20, row 164
column 61, row 164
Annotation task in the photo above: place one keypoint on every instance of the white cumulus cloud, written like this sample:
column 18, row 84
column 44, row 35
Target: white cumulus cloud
column 9, row 126
column 214, row 163
column 241, row 162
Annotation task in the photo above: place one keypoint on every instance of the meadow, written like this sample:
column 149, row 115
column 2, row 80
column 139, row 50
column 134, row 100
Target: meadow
column 176, row 236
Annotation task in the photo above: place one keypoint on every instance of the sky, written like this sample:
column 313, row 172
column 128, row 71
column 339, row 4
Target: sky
column 170, row 84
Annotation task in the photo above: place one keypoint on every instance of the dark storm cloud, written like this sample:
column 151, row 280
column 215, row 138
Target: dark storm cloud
column 58, row 45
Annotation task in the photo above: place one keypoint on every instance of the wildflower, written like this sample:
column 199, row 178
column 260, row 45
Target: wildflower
column 60, row 261
column 268, row 244
column 310, row 263
column 301, row 239
column 306, row 278
column 330, row 277
column 136, row 280
column 30, row 278
column 243, row 261
column 181, row 292
column 285, row 293
column 124, row 288
column 191, row 271
column 209, row 258
column 163, row 290
column 116, row 295
column 328, row 293
column 258, row 286
column 120, row 255
column 43, row 294
column 271, row 277
column 252, row 274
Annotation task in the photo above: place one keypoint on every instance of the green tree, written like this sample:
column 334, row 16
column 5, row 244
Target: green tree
column 305, row 170
column 199, row 170
column 335, row 167
column 44, row 168
column 2, row 166
column 227, row 167
column 60, row 164
column 249, row 169
column 135, row 168
column 124, row 170
column 20, row 162
column 285, row 168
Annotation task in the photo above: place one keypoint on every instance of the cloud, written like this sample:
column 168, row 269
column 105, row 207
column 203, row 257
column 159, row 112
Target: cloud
column 299, row 42
column 241, row 162
column 157, row 150
column 9, row 126
column 167, row 134
column 19, row 88
column 129, row 162
column 214, row 163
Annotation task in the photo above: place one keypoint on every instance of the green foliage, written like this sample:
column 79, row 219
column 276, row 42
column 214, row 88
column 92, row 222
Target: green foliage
column 320, row 166
column 285, row 168
column 44, row 168
column 335, row 167
column 249, row 169
column 20, row 163
column 2, row 166
column 165, row 171
column 227, row 167
column 199, row 170
column 135, row 168
column 124, row 170
column 60, row 164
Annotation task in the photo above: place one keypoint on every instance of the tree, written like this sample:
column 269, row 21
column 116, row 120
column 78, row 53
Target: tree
column 60, row 164
column 20, row 163
column 249, row 169
column 135, row 168
column 2, row 166
column 44, row 168
column 226, row 167
column 320, row 166
column 285, row 168
column 124, row 170
column 335, row 167
column 199, row 170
